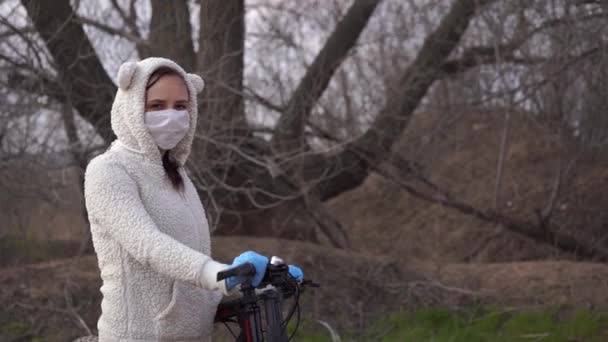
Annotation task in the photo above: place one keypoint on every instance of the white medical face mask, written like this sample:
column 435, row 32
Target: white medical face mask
column 167, row 127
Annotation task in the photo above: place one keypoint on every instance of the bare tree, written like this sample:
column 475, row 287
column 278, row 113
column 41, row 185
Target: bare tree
column 304, row 134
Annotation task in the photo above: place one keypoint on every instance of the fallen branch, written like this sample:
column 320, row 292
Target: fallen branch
column 530, row 230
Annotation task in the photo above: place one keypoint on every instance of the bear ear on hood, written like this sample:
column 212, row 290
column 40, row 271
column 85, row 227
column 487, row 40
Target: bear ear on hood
column 197, row 82
column 125, row 74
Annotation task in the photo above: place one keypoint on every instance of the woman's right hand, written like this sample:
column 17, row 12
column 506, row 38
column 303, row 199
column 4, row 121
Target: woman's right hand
column 260, row 263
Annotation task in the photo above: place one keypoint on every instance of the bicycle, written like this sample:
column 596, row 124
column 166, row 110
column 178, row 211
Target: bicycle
column 248, row 314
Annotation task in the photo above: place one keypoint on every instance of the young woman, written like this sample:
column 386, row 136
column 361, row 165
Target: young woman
column 149, row 227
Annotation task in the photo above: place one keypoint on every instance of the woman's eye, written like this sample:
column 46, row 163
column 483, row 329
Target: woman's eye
column 156, row 106
column 180, row 107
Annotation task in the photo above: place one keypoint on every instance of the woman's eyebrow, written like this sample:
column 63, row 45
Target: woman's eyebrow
column 156, row 100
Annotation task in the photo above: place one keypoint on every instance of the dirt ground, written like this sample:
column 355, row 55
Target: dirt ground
column 60, row 299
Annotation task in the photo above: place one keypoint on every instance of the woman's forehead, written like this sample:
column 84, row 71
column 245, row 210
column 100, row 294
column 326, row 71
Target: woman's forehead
column 168, row 87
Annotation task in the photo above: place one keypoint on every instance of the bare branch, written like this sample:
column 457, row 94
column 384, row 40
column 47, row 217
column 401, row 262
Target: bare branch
column 502, row 153
column 110, row 30
column 479, row 55
column 375, row 145
column 529, row 230
column 417, row 79
column 290, row 128
column 131, row 19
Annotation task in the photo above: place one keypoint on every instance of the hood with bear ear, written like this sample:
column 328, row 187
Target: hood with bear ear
column 130, row 102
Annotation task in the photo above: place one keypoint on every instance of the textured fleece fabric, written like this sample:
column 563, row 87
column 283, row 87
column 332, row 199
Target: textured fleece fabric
column 152, row 242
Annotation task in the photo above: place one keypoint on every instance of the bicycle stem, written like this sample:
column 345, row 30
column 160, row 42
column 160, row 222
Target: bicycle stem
column 252, row 319
column 274, row 316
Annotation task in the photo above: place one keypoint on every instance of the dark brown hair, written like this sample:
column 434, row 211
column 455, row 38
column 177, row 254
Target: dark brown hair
column 171, row 168
column 169, row 163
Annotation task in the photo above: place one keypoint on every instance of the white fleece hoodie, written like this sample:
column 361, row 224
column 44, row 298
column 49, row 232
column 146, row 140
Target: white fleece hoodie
column 152, row 242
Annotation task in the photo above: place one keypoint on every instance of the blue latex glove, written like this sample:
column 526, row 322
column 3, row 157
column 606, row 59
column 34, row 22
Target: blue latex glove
column 296, row 272
column 259, row 262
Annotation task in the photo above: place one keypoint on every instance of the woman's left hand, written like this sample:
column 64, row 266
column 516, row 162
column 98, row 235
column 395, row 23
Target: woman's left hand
column 296, row 272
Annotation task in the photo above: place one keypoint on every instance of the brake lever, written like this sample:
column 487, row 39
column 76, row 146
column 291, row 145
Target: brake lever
column 310, row 283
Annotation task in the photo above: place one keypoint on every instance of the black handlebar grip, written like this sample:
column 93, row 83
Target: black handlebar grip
column 246, row 269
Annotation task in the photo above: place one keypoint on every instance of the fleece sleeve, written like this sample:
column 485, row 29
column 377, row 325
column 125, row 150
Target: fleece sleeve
column 115, row 208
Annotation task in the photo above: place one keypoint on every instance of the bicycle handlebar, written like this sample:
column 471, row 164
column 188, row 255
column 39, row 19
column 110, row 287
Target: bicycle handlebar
column 274, row 274
column 246, row 269
column 247, row 313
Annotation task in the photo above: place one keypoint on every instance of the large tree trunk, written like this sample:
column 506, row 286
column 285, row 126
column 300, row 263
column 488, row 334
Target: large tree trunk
column 222, row 127
column 81, row 74
column 171, row 33
column 221, row 57
column 220, row 61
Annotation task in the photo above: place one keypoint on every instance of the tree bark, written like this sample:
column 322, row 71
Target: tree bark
column 220, row 60
column 171, row 33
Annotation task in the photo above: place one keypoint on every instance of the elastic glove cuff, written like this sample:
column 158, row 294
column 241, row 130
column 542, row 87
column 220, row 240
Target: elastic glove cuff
column 208, row 276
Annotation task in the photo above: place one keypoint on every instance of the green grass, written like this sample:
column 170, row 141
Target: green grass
column 439, row 325
column 16, row 331
column 14, row 328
